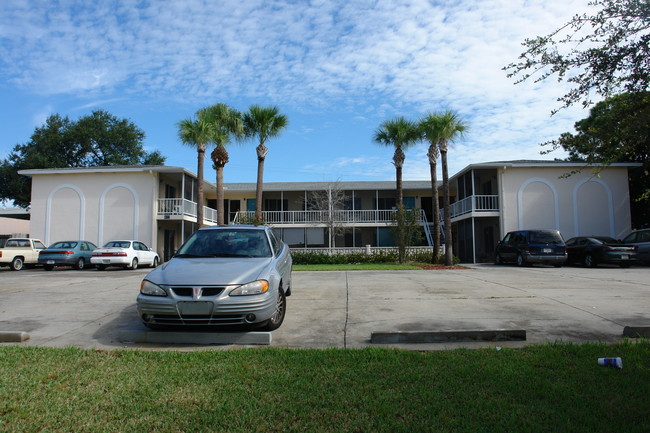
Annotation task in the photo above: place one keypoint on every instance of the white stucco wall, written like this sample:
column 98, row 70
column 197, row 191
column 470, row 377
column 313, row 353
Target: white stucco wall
column 75, row 206
column 579, row 205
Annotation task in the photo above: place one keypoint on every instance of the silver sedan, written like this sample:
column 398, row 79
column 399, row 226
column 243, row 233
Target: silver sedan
column 229, row 275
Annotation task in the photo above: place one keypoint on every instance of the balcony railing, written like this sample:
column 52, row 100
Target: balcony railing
column 322, row 216
column 184, row 207
column 475, row 203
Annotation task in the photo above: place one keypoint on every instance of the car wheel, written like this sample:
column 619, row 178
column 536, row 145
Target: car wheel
column 520, row 260
column 101, row 267
column 498, row 260
column 589, row 261
column 134, row 264
column 155, row 262
column 278, row 316
column 16, row 264
column 80, row 264
column 48, row 267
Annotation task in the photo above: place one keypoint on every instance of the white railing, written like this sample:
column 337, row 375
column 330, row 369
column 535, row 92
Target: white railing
column 475, row 203
column 176, row 206
column 322, row 216
column 181, row 206
column 209, row 214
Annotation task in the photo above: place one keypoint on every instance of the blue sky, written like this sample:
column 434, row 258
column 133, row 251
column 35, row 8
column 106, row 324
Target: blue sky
column 337, row 69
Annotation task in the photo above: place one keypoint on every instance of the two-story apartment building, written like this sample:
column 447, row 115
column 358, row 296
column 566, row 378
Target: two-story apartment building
column 157, row 205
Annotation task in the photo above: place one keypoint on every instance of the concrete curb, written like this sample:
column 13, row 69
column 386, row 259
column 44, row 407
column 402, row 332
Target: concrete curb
column 448, row 336
column 13, row 337
column 255, row 338
column 636, row 331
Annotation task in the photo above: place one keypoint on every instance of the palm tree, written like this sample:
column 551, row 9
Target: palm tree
column 226, row 123
column 430, row 128
column 197, row 133
column 263, row 123
column 452, row 127
column 399, row 133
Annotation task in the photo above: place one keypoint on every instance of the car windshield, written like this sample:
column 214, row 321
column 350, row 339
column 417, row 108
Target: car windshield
column 64, row 245
column 545, row 238
column 226, row 243
column 117, row 244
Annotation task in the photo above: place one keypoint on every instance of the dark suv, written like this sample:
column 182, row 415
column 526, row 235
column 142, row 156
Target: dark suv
column 525, row 247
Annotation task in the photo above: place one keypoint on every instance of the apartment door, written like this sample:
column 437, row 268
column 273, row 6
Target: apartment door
column 233, row 207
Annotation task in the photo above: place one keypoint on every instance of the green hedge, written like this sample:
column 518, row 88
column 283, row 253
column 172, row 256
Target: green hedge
column 314, row 258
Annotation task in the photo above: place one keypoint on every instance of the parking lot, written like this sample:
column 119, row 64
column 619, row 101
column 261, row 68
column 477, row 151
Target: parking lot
column 91, row 308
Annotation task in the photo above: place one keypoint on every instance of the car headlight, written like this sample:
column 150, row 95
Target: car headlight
column 255, row 288
column 149, row 288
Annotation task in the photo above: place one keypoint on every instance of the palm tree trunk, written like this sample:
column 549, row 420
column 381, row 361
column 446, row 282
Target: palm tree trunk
column 261, row 155
column 398, row 162
column 220, row 201
column 447, row 208
column 435, row 212
column 199, row 189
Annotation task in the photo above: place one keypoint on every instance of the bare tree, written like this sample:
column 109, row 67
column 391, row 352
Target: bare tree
column 330, row 201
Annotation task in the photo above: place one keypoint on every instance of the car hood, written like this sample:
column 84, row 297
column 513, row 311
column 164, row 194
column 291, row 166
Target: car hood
column 211, row 271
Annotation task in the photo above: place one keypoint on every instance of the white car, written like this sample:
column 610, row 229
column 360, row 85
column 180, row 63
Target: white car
column 128, row 254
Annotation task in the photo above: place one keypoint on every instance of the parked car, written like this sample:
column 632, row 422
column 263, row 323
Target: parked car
column 228, row 275
column 127, row 254
column 525, row 247
column 67, row 253
column 18, row 252
column 641, row 239
column 592, row 250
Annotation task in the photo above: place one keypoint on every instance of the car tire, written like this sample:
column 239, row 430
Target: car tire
column 498, row 260
column 278, row 316
column 155, row 262
column 81, row 264
column 101, row 267
column 134, row 264
column 589, row 261
column 521, row 262
column 48, row 267
column 16, row 264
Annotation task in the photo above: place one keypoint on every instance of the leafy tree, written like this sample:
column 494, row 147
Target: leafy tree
column 406, row 229
column 604, row 53
column 263, row 123
column 98, row 139
column 431, row 128
column 197, row 133
column 617, row 130
column 451, row 127
column 226, row 123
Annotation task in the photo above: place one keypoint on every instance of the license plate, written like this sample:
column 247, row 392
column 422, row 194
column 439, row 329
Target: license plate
column 50, row 262
column 197, row 308
column 625, row 257
column 106, row 262
column 547, row 250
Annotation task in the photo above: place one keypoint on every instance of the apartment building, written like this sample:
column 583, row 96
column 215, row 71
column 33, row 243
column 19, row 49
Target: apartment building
column 157, row 205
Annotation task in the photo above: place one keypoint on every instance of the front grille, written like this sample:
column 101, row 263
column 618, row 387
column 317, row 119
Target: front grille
column 187, row 292
column 234, row 319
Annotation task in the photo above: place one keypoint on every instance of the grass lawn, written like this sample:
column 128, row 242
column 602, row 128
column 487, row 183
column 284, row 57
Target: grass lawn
column 550, row 388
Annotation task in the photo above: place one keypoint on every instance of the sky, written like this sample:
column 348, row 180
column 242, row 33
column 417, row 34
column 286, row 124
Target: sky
column 336, row 68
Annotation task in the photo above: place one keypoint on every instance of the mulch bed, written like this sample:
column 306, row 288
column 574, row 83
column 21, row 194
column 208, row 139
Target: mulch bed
column 441, row 267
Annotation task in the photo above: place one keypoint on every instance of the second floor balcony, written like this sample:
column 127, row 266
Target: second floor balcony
column 383, row 216
column 180, row 207
column 475, row 203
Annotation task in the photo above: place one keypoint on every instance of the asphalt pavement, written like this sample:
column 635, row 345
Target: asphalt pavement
column 96, row 309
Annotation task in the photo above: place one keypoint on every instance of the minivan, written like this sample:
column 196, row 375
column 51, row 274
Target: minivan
column 525, row 247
